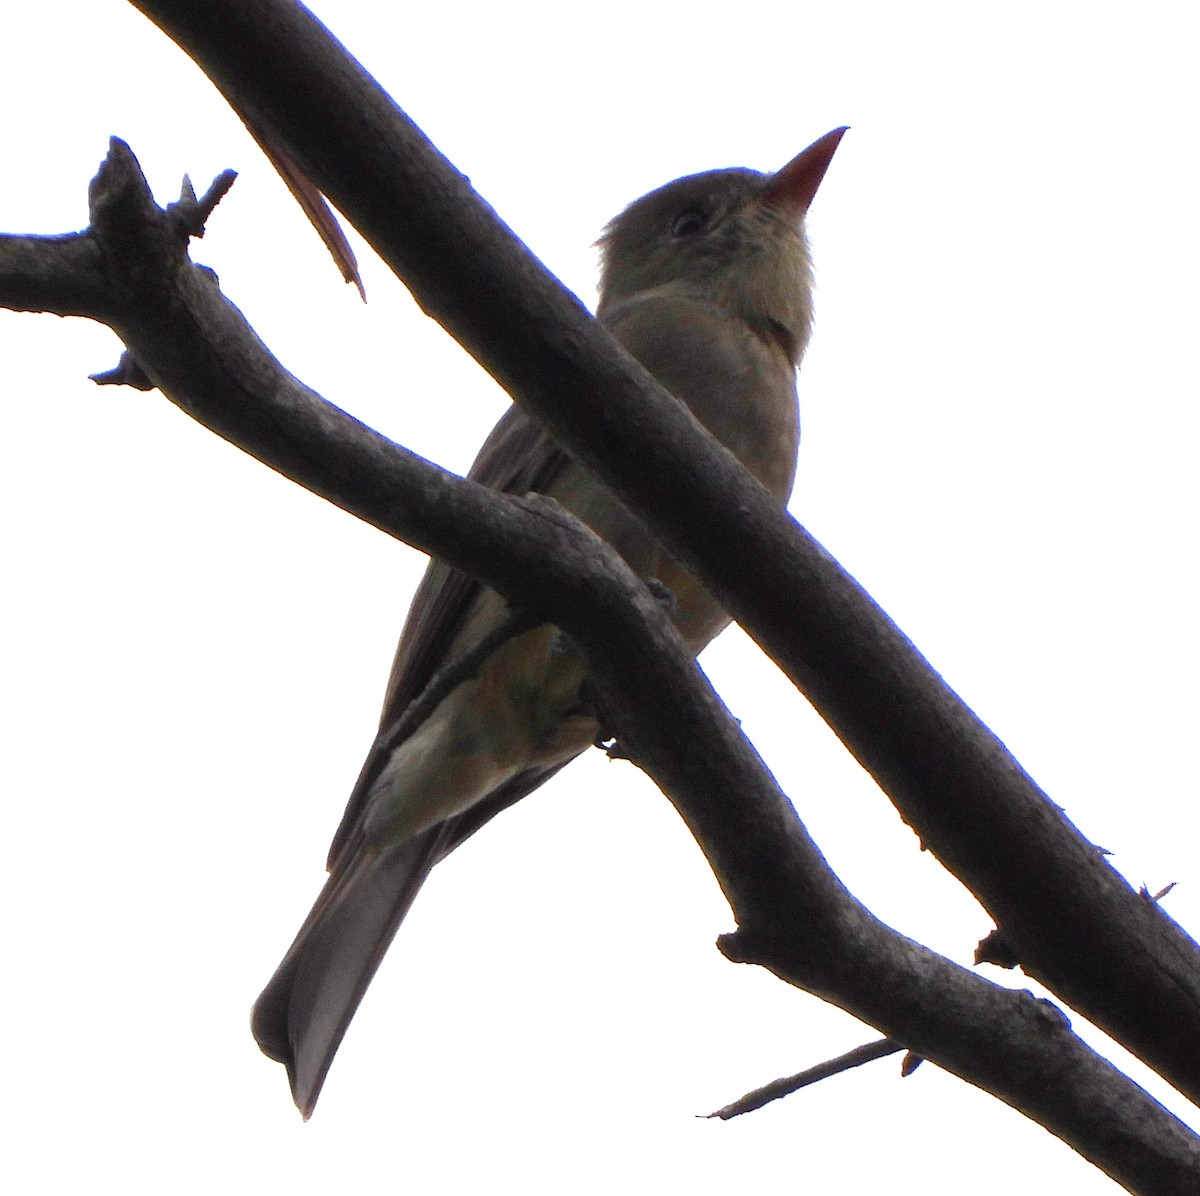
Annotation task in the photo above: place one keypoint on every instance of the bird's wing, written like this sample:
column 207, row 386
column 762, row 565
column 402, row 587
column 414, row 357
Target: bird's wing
column 517, row 457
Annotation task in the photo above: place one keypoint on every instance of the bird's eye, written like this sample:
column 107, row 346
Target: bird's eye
column 687, row 223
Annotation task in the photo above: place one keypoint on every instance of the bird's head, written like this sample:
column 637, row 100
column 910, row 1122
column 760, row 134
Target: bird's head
column 730, row 238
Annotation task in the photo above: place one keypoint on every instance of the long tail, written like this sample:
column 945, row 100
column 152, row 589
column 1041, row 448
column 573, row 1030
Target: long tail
column 306, row 1008
column 304, row 1011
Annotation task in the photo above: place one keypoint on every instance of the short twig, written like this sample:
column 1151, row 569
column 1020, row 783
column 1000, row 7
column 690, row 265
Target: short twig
column 127, row 372
column 191, row 214
column 831, row 1067
column 995, row 948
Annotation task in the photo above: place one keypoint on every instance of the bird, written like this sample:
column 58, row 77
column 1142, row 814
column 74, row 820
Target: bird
column 707, row 282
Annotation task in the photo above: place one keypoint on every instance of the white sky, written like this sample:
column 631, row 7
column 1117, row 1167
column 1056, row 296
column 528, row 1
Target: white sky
column 1000, row 423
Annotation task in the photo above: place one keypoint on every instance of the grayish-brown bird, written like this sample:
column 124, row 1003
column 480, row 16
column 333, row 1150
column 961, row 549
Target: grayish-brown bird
column 707, row 282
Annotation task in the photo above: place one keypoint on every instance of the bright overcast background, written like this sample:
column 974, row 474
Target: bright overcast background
column 1000, row 431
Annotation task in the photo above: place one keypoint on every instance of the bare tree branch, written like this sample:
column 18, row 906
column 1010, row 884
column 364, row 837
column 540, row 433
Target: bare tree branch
column 131, row 271
column 757, row 1097
column 1071, row 920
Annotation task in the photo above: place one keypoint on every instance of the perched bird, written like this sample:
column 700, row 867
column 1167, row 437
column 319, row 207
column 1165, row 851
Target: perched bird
column 706, row 281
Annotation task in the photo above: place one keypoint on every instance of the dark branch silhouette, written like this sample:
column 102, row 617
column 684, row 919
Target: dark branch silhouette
column 130, row 270
column 1070, row 919
column 785, row 1086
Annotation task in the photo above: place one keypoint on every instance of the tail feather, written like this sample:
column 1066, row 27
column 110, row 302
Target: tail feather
column 303, row 1013
column 305, row 1010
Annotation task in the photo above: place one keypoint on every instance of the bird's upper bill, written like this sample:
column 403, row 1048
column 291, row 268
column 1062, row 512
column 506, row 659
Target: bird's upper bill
column 793, row 186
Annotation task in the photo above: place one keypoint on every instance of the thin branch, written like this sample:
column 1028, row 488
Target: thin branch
column 192, row 213
column 1071, row 919
column 758, row 1097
